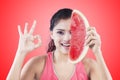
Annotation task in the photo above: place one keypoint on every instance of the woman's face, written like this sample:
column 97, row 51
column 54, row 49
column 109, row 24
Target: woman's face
column 61, row 35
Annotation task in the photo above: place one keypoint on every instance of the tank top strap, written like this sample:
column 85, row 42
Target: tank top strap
column 48, row 72
column 80, row 73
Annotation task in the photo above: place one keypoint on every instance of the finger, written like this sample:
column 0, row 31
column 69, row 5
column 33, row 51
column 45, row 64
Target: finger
column 33, row 27
column 25, row 30
column 39, row 41
column 91, row 28
column 88, row 28
column 91, row 32
column 92, row 43
column 90, row 38
column 30, row 37
column 19, row 30
column 94, row 29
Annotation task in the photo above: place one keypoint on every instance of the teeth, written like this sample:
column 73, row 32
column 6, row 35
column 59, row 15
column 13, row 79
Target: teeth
column 66, row 45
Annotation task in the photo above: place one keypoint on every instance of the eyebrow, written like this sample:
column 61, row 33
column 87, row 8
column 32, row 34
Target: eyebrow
column 60, row 29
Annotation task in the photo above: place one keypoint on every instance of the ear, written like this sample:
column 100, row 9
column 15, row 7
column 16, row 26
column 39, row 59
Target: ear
column 51, row 34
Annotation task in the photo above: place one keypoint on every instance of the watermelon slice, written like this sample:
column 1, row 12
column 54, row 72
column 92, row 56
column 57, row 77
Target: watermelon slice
column 79, row 24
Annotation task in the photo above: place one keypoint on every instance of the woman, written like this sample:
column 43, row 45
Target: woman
column 55, row 64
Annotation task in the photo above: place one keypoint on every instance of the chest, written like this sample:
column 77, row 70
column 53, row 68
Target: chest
column 64, row 71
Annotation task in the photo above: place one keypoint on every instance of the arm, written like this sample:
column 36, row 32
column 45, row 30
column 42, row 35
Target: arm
column 99, row 69
column 33, row 68
column 14, row 73
column 26, row 45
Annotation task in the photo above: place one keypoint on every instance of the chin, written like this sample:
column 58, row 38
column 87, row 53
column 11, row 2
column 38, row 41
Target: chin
column 65, row 51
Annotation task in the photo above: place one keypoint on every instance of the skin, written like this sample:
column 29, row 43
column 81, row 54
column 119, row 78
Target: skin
column 95, row 69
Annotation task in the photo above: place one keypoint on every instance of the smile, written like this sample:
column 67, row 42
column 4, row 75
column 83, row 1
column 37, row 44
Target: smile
column 65, row 44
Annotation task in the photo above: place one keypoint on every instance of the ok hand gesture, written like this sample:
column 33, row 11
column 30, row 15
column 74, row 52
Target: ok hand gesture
column 26, row 41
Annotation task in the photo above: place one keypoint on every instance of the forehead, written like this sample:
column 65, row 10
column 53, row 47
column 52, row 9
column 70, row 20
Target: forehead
column 63, row 24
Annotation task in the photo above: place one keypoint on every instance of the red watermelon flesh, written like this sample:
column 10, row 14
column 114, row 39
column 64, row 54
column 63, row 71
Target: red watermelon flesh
column 78, row 33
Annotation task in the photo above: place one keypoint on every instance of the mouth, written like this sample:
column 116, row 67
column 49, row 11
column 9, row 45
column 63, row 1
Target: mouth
column 67, row 45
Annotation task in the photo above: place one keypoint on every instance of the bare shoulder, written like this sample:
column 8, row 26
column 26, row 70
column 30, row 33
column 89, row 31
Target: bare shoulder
column 89, row 61
column 92, row 68
column 89, row 65
column 33, row 68
column 37, row 62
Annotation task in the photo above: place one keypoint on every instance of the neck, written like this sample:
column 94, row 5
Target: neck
column 60, row 57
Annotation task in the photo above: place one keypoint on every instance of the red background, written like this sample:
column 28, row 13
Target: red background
column 104, row 15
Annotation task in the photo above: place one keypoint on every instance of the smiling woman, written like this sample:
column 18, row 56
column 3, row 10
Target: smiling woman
column 61, row 36
column 55, row 65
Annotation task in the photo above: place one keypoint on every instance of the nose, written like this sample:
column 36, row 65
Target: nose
column 67, row 37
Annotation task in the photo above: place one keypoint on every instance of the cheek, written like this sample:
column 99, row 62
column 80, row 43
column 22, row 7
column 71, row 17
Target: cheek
column 56, row 37
column 57, row 41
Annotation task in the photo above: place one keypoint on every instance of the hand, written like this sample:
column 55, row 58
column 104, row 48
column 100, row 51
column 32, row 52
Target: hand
column 93, row 39
column 26, row 41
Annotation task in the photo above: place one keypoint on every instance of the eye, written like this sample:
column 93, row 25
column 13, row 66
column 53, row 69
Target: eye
column 60, row 32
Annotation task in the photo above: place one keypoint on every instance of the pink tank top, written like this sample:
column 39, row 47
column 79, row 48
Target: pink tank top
column 49, row 74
